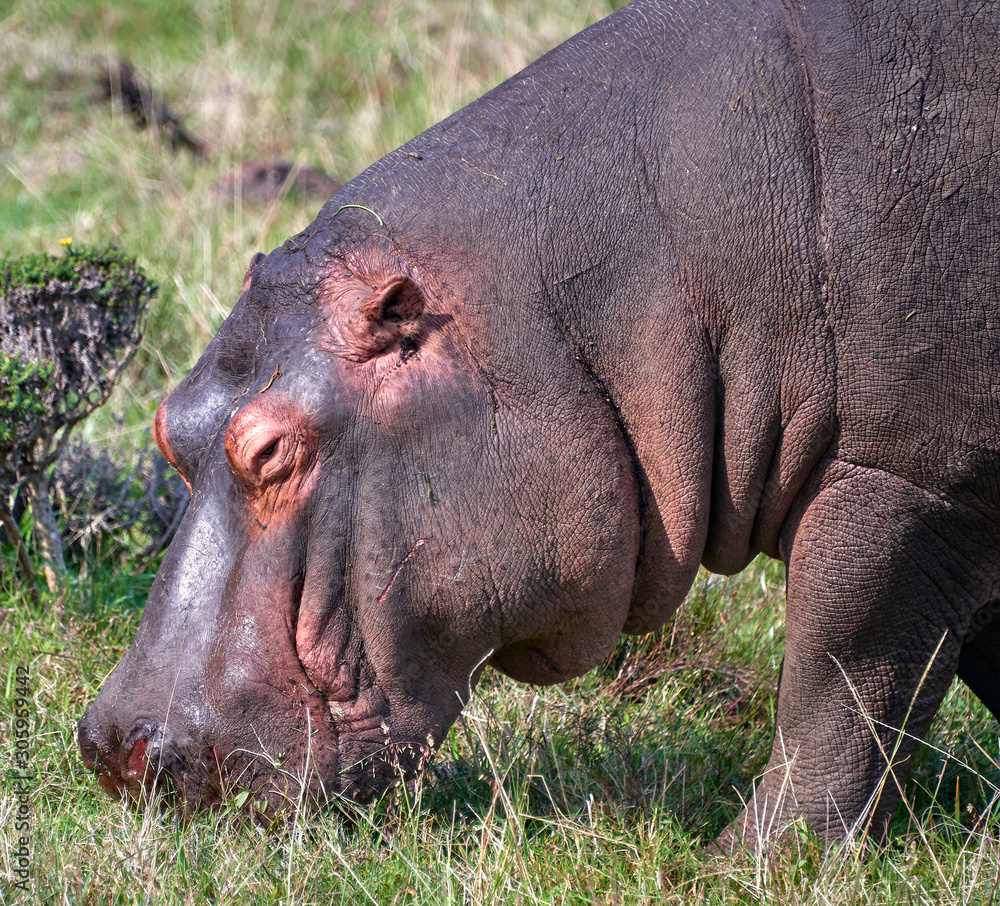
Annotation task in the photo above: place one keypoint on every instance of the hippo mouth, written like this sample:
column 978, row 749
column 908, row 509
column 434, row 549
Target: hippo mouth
column 314, row 726
column 350, row 754
column 146, row 761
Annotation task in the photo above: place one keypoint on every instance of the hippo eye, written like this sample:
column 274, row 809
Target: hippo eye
column 267, row 442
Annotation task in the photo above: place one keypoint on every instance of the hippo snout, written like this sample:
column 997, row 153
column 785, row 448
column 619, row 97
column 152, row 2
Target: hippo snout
column 128, row 763
column 123, row 763
column 139, row 760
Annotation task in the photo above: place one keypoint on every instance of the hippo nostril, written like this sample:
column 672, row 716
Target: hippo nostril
column 140, row 751
column 135, row 762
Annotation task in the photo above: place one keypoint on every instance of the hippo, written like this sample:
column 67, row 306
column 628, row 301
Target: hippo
column 710, row 279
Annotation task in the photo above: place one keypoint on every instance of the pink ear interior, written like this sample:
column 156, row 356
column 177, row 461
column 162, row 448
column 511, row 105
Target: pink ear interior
column 399, row 299
column 379, row 319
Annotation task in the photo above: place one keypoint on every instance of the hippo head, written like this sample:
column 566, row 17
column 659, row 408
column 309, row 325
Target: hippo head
column 378, row 511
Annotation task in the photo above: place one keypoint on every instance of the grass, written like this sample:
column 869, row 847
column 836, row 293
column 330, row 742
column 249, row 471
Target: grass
column 602, row 790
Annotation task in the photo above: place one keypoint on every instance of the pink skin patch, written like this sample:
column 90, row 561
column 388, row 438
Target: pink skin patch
column 161, row 440
column 136, row 766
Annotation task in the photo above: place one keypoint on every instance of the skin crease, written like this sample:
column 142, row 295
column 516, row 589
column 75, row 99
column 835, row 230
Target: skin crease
column 707, row 280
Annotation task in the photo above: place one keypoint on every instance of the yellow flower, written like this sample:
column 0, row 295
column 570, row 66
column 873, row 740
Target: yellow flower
column 66, row 241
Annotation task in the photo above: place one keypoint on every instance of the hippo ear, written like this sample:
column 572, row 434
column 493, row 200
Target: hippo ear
column 381, row 318
column 248, row 276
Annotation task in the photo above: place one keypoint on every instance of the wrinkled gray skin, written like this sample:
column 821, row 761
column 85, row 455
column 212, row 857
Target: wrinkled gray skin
column 707, row 280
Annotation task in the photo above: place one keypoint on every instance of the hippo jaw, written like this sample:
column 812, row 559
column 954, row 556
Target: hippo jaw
column 180, row 729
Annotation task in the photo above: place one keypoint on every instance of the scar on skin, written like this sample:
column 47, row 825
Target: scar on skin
column 274, row 377
column 385, row 592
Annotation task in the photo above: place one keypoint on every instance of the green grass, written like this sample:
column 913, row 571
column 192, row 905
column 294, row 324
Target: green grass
column 603, row 790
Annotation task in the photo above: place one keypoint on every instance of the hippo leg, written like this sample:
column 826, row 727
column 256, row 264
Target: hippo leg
column 979, row 662
column 879, row 596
